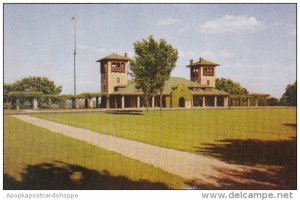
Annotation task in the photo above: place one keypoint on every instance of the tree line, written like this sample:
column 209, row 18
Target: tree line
column 289, row 98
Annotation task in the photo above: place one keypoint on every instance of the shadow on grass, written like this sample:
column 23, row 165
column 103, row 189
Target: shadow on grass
column 63, row 176
column 125, row 112
column 279, row 157
column 250, row 179
column 291, row 125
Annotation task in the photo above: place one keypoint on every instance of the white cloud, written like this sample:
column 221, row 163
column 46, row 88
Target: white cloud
column 205, row 54
column 189, row 54
column 230, row 23
column 218, row 54
column 100, row 50
column 168, row 21
column 83, row 47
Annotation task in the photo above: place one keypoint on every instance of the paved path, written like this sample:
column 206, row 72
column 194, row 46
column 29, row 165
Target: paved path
column 199, row 169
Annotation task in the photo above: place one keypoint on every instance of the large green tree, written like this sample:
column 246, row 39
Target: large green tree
column 152, row 66
column 230, row 86
column 7, row 87
column 36, row 84
column 27, row 88
column 272, row 101
column 289, row 98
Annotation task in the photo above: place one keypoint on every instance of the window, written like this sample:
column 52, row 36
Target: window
column 118, row 79
column 208, row 71
column 195, row 70
column 208, row 82
column 113, row 64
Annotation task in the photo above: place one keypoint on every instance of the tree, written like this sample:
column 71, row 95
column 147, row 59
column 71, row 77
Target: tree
column 262, row 101
column 36, row 84
column 272, row 101
column 289, row 98
column 28, row 88
column 152, row 66
column 233, row 88
column 7, row 88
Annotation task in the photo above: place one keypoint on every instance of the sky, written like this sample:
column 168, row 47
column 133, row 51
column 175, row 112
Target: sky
column 255, row 44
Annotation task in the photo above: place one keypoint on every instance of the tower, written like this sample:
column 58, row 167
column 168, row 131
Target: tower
column 113, row 70
column 203, row 72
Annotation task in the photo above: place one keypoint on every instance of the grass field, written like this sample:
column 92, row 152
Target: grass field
column 263, row 137
column 35, row 158
column 188, row 130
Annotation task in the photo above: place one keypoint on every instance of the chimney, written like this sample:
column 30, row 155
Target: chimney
column 191, row 61
column 200, row 59
column 126, row 55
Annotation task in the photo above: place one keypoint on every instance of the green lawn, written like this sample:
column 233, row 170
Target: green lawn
column 188, row 130
column 35, row 158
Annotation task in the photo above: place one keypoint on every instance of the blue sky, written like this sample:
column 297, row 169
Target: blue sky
column 255, row 44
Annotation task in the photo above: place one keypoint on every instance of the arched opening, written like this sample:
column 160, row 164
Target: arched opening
column 181, row 102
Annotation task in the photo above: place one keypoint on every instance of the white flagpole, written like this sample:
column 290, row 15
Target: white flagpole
column 73, row 18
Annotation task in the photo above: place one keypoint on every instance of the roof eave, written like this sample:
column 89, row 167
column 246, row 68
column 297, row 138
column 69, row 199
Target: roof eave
column 110, row 59
column 195, row 65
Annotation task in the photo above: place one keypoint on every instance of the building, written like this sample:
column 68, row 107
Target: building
column 199, row 91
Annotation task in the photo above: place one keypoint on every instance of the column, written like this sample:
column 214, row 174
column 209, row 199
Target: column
column 203, row 101
column 248, row 101
column 138, row 102
column 49, row 103
column 215, row 101
column 225, row 102
column 35, row 104
column 107, row 102
column 153, row 102
column 91, row 103
column 77, row 103
column 123, row 102
column 256, row 102
column 62, row 103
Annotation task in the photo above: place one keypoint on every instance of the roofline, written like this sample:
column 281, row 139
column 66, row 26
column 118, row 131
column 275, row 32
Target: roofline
column 111, row 59
column 195, row 65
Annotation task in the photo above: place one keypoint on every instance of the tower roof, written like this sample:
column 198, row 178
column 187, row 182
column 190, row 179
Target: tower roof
column 114, row 56
column 202, row 62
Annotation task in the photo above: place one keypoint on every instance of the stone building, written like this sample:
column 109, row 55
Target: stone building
column 199, row 91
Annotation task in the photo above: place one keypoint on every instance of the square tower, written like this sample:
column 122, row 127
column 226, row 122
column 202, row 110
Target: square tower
column 113, row 70
column 203, row 72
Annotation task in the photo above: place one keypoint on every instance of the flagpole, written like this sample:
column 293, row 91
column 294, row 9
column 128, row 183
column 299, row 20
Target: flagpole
column 74, row 54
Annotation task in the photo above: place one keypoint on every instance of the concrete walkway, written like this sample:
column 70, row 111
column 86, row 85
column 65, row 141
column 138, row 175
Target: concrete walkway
column 201, row 170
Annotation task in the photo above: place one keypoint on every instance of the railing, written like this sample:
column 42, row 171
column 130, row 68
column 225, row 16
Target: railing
column 118, row 69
